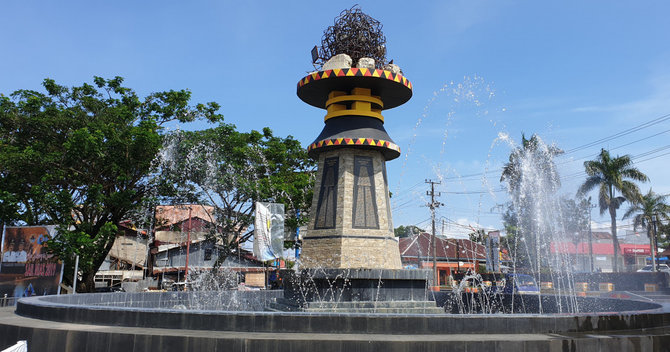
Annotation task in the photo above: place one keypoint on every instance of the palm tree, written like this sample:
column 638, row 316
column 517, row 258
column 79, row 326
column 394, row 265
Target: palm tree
column 612, row 176
column 541, row 156
column 652, row 207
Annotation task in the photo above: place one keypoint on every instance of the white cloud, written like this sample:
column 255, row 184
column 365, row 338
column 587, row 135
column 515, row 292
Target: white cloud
column 656, row 103
column 462, row 227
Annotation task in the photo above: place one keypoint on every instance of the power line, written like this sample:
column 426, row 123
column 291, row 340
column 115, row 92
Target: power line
column 591, row 144
column 404, row 191
column 620, row 134
column 590, row 156
column 469, row 177
column 633, row 158
column 658, row 156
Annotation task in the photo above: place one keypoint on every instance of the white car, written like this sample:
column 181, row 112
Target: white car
column 659, row 267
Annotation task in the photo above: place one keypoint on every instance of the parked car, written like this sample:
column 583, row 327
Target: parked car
column 520, row 284
column 659, row 267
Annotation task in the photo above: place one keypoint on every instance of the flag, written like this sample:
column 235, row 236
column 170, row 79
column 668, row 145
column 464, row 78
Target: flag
column 269, row 231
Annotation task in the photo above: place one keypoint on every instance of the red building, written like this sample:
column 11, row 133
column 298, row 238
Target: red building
column 631, row 256
column 452, row 255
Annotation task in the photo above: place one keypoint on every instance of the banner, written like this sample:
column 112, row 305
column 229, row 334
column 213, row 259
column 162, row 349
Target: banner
column 26, row 269
column 269, row 231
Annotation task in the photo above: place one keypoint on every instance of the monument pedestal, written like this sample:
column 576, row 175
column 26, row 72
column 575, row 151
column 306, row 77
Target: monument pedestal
column 351, row 224
column 357, row 290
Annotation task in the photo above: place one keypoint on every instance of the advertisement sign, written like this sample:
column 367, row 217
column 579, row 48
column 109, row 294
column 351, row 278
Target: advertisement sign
column 26, row 269
column 269, row 231
column 638, row 251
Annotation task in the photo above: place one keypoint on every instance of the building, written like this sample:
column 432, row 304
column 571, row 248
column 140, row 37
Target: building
column 452, row 255
column 576, row 254
column 185, row 240
column 128, row 258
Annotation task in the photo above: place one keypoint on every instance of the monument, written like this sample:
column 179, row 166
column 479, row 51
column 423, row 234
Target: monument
column 350, row 224
column 350, row 252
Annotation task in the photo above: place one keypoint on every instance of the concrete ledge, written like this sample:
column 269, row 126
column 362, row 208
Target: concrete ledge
column 369, row 274
column 355, row 285
column 81, row 309
column 67, row 337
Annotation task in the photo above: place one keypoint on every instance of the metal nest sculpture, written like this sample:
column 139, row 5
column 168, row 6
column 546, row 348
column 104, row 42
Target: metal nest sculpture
column 355, row 34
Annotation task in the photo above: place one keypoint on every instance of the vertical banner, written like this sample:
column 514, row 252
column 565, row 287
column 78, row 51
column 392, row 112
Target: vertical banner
column 269, row 231
column 26, row 268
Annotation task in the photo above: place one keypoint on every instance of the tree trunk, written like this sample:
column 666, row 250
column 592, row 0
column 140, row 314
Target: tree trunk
column 615, row 240
column 87, row 283
column 651, row 247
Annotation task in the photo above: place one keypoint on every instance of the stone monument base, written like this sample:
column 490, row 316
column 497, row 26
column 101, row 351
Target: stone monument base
column 356, row 290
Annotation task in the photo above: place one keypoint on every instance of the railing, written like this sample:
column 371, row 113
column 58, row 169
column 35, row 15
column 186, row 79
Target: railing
column 7, row 301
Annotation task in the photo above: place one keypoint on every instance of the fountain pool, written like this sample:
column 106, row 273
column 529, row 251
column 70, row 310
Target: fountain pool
column 178, row 321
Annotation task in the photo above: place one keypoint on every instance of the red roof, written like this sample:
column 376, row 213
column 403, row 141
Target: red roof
column 167, row 215
column 420, row 246
column 598, row 248
column 597, row 235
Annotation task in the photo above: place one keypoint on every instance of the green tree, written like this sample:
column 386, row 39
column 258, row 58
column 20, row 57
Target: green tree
column 406, row 231
column 232, row 170
column 651, row 208
column 663, row 234
column 79, row 157
column 513, row 242
column 479, row 236
column 575, row 215
column 612, row 176
column 532, row 180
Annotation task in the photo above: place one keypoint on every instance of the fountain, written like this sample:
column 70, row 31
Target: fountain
column 350, row 292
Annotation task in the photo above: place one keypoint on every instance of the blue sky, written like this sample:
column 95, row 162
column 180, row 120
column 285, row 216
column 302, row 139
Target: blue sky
column 573, row 72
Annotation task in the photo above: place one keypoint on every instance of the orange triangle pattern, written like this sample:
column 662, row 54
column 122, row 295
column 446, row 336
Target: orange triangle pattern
column 357, row 141
column 355, row 72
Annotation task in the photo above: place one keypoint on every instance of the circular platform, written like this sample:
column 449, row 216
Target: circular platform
column 393, row 89
column 168, row 321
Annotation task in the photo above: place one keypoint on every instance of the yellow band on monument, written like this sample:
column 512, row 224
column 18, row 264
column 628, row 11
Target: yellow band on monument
column 368, row 98
column 366, row 113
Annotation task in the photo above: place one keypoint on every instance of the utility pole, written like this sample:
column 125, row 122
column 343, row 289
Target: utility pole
column 654, row 244
column 433, row 204
column 188, row 244
column 418, row 246
column 458, row 256
column 590, row 235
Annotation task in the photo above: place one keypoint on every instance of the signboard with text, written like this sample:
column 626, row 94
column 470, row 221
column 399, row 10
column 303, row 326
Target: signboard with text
column 26, row 269
column 637, row 251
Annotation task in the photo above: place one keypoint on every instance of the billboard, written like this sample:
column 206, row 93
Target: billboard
column 637, row 251
column 26, row 269
column 269, row 231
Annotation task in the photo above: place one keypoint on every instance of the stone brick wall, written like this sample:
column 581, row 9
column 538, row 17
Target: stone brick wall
column 345, row 246
column 254, row 279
